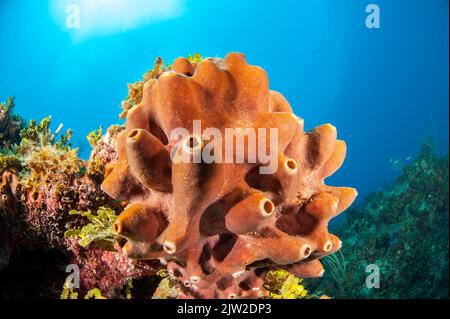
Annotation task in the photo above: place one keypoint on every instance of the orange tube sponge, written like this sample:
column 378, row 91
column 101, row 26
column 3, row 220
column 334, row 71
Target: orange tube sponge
column 220, row 226
column 8, row 192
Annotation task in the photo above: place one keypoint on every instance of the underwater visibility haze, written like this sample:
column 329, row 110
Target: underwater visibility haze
column 92, row 90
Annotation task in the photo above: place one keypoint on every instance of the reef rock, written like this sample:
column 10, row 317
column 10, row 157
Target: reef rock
column 221, row 226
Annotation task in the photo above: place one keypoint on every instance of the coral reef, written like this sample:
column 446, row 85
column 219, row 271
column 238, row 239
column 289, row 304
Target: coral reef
column 97, row 251
column 404, row 230
column 221, row 227
column 108, row 271
column 104, row 153
column 10, row 124
column 223, row 230
column 43, row 184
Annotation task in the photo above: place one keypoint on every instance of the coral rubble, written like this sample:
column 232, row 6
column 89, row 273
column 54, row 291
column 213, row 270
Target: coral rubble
column 221, row 226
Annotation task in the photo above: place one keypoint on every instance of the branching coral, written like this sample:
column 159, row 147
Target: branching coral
column 221, row 226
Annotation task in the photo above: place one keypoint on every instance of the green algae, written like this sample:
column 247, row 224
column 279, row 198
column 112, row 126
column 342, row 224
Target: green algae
column 403, row 231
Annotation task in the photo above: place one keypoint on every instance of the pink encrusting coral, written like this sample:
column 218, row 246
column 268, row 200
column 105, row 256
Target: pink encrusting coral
column 106, row 270
column 104, row 152
column 221, row 226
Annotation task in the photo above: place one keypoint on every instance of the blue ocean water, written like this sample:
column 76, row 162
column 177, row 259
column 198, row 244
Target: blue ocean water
column 382, row 88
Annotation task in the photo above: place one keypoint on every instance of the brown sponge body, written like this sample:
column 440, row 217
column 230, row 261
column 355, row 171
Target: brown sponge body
column 220, row 226
column 8, row 192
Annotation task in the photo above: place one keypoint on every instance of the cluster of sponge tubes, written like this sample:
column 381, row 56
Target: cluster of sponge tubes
column 220, row 227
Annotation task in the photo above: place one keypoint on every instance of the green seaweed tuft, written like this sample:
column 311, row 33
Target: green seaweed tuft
column 283, row 285
column 196, row 58
column 95, row 136
column 98, row 230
